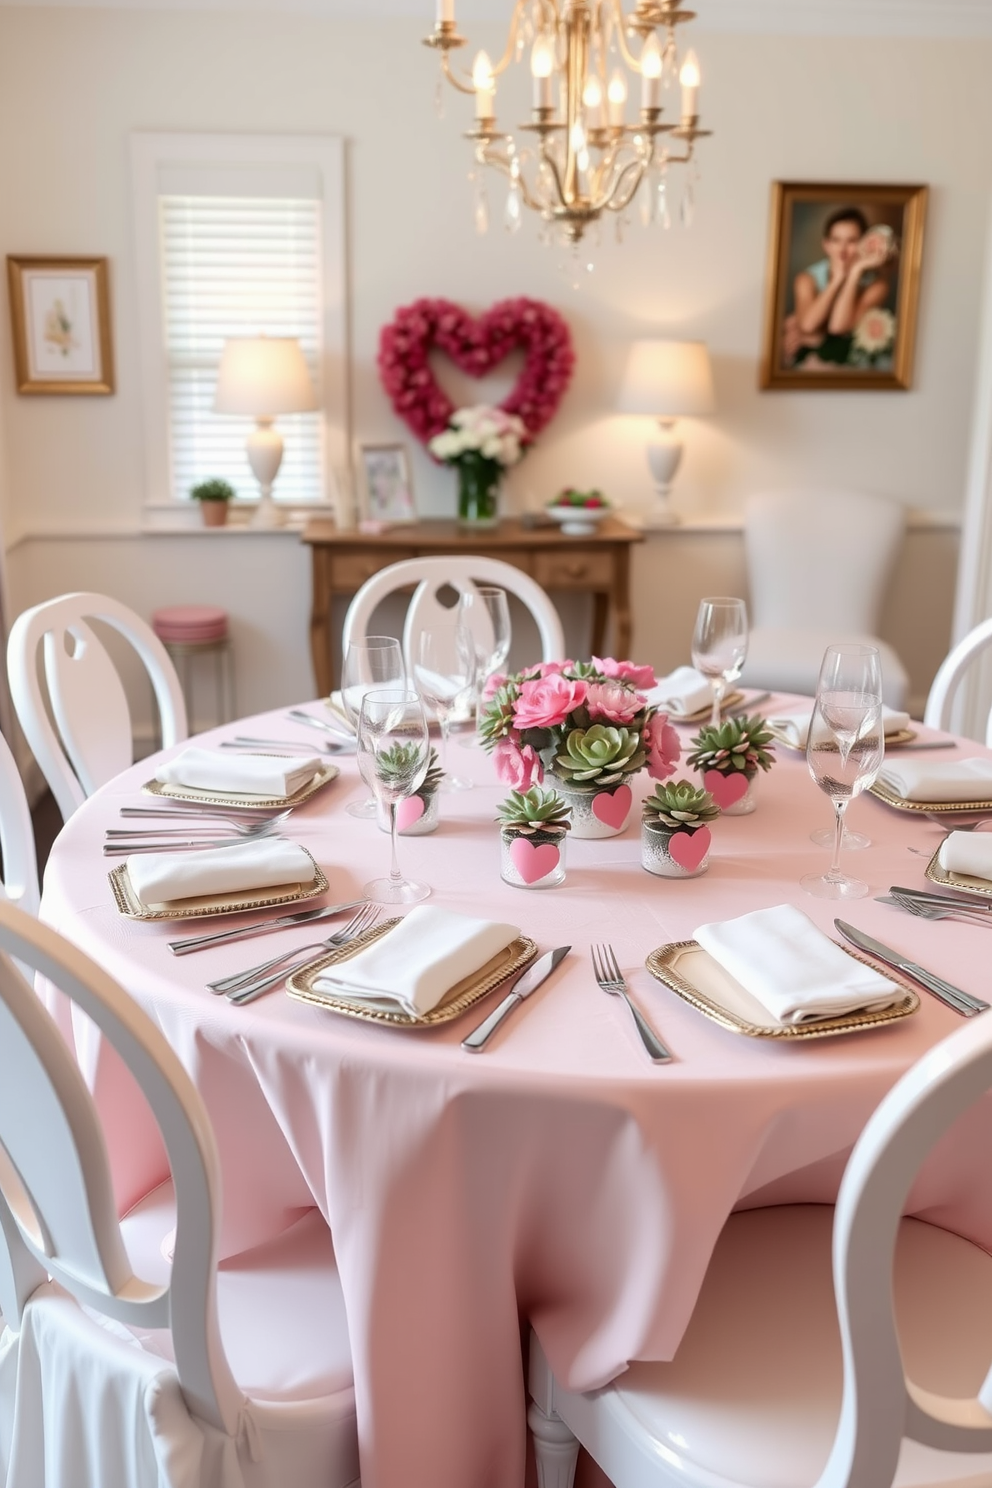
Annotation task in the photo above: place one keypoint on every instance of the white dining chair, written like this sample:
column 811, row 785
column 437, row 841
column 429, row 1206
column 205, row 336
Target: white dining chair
column 784, row 1380
column 179, row 1373
column 818, row 565
column 463, row 574
column 950, row 674
column 91, row 740
column 20, row 859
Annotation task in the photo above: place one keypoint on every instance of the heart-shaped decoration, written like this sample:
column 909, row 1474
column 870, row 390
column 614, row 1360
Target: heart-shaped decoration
column 476, row 345
column 688, row 849
column 533, row 863
column 613, row 807
column 409, row 811
column 726, row 790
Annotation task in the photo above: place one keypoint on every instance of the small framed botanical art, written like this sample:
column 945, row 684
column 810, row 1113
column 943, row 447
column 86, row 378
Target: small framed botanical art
column 387, row 485
column 60, row 314
column 843, row 285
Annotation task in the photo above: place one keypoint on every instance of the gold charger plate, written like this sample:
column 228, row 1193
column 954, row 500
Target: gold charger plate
column 965, row 882
column 693, row 975
column 455, row 1002
column 892, row 741
column 702, row 715
column 132, row 908
column 323, row 777
column 926, row 808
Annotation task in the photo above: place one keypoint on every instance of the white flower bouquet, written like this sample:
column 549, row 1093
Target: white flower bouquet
column 481, row 432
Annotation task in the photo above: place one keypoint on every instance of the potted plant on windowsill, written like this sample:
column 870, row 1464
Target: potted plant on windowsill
column 213, row 496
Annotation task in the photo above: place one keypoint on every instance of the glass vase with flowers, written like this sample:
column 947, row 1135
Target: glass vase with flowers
column 481, row 443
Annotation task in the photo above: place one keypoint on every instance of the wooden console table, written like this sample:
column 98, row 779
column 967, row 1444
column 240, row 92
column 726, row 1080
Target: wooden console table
column 597, row 565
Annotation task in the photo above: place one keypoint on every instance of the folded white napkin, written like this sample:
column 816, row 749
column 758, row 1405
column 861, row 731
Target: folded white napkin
column 792, row 968
column 967, row 852
column 795, row 726
column 682, row 693
column 413, row 966
column 158, row 878
column 265, row 775
column 954, row 780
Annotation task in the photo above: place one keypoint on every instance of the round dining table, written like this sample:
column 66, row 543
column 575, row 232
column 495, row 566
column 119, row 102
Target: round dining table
column 560, row 1178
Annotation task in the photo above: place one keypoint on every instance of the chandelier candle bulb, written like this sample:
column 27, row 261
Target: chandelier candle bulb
column 616, row 98
column 485, row 86
column 690, row 79
column 592, row 98
column 445, row 11
column 651, row 65
column 542, row 66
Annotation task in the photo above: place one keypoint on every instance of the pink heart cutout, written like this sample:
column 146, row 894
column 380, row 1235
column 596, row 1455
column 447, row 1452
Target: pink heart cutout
column 408, row 812
column 612, row 808
column 533, row 863
column 726, row 790
column 688, row 849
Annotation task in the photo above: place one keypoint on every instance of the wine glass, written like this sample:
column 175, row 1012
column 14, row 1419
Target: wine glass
column 377, row 661
column 719, row 645
column 844, row 748
column 393, row 754
column 486, row 612
column 444, row 675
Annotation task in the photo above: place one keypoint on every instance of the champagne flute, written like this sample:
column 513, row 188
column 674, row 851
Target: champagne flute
column 486, row 612
column 393, row 754
column 444, row 675
column 719, row 645
column 376, row 661
column 844, row 748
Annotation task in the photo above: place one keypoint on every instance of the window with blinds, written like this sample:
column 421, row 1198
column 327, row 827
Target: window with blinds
column 238, row 266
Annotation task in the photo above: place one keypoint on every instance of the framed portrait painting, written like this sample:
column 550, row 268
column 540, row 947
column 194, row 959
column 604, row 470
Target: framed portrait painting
column 843, row 285
column 387, row 485
column 60, row 315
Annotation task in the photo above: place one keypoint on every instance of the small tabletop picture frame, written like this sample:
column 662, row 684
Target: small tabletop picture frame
column 843, row 286
column 60, row 316
column 386, row 483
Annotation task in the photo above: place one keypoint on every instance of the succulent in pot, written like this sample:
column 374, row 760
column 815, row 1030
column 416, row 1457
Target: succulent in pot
column 416, row 815
column 533, row 825
column 675, row 832
column 213, row 496
column 728, row 756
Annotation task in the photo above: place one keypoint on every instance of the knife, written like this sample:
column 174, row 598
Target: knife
column 245, row 932
column 961, row 1002
column 525, row 985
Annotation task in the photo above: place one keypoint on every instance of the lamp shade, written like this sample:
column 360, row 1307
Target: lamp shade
column 263, row 376
column 669, row 379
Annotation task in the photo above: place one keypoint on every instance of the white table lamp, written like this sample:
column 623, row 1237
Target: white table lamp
column 264, row 376
column 671, row 380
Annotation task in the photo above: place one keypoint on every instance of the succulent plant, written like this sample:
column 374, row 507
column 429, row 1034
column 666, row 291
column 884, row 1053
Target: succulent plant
column 601, row 755
column 734, row 745
column 497, row 717
column 399, row 764
column 678, row 805
column 536, row 810
column 432, row 780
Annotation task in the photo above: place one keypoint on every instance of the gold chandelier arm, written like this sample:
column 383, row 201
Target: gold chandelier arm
column 621, row 29
column 455, row 82
column 612, row 203
column 552, row 165
column 511, row 41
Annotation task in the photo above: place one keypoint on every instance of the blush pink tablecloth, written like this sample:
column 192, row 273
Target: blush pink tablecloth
column 559, row 1176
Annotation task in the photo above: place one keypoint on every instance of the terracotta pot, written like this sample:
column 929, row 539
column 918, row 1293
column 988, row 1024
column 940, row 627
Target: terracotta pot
column 214, row 513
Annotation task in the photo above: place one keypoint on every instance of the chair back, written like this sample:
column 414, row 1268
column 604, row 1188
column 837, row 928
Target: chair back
column 463, row 574
column 57, row 1213
column 91, row 739
column 880, row 1405
column 821, row 560
column 950, row 674
column 20, row 861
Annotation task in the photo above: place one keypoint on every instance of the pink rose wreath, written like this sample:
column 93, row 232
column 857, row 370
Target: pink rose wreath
column 476, row 345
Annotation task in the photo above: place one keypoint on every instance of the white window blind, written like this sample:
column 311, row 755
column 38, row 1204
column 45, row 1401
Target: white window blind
column 238, row 266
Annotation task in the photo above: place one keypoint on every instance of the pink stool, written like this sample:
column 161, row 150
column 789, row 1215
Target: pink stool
column 190, row 631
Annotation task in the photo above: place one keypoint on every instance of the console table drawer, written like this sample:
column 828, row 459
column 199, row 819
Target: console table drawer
column 350, row 570
column 574, row 570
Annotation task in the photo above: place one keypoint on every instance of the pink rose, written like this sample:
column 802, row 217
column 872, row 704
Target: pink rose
column 547, row 701
column 518, row 768
column 551, row 668
column 612, row 702
column 625, row 671
column 493, row 685
column 663, row 745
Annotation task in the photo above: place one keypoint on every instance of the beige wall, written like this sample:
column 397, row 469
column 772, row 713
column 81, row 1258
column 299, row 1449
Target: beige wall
column 74, row 83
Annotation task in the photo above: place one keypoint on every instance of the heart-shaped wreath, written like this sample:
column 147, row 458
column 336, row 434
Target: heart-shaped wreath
column 476, row 345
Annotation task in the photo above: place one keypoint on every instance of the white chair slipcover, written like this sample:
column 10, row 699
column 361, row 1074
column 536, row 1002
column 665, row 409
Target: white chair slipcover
column 959, row 660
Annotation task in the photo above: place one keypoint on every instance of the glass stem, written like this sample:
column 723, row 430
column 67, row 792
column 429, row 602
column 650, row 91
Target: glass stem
column 719, row 691
column 444, row 719
column 395, row 876
column 840, row 806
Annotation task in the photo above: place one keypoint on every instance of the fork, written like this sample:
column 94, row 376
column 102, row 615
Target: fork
column 936, row 911
column 340, row 729
column 236, row 829
column 259, row 978
column 245, row 741
column 180, row 841
column 606, row 970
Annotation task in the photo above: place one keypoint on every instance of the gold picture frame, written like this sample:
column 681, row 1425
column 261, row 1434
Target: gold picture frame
column 60, row 317
column 860, row 323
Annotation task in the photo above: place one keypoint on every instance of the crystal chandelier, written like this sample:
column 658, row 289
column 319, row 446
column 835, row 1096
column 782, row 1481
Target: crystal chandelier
column 585, row 158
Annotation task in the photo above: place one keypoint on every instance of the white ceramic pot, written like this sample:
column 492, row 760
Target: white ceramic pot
column 596, row 813
column 578, row 521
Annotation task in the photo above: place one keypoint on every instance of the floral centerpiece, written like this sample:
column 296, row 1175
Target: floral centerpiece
column 480, row 443
column 675, row 833
column 729, row 755
column 589, row 726
column 533, row 825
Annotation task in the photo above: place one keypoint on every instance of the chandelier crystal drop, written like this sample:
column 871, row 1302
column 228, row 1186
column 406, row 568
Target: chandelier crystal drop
column 585, row 156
